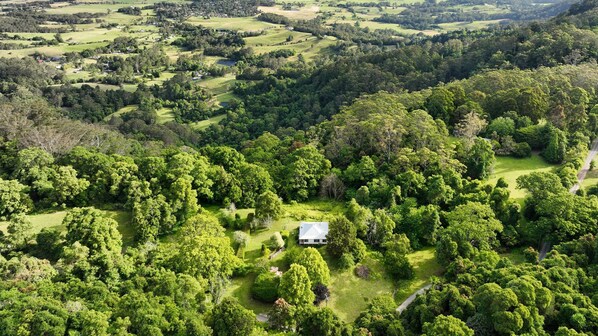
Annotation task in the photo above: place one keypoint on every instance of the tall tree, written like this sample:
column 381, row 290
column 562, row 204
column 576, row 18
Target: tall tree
column 268, row 206
column 342, row 236
column 295, row 286
column 229, row 318
column 316, row 267
column 99, row 234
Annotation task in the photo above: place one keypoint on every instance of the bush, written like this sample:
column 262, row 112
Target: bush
column 285, row 235
column 265, row 251
column 593, row 190
column 265, row 287
column 362, row 271
column 568, row 175
column 322, row 293
column 359, row 251
column 346, row 261
column 522, row 150
column 291, row 254
column 531, row 255
column 276, row 241
column 536, row 136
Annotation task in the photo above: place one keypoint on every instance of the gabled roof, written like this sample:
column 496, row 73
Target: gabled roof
column 313, row 230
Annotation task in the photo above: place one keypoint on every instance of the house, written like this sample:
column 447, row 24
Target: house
column 313, row 233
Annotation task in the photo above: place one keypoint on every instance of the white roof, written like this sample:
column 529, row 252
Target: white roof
column 313, row 230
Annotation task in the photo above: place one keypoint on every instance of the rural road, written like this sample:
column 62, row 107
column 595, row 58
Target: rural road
column 586, row 166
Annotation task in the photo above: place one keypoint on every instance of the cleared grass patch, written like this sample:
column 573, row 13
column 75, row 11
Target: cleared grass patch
column 201, row 125
column 511, row 168
column 591, row 179
column 54, row 220
column 164, row 115
column 350, row 295
column 425, row 266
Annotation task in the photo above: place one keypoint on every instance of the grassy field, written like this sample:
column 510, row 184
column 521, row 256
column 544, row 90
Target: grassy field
column 349, row 294
column 591, row 179
column 511, row 168
column 164, row 115
column 425, row 266
column 54, row 220
column 201, row 125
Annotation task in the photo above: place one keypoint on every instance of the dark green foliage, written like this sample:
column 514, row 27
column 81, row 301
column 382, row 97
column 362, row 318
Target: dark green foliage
column 322, row 322
column 557, row 146
column 230, row 313
column 265, row 287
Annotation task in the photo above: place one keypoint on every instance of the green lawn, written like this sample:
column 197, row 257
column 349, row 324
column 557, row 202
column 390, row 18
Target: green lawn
column 350, row 295
column 200, row 125
column 425, row 265
column 164, row 115
column 511, row 168
column 591, row 179
column 54, row 220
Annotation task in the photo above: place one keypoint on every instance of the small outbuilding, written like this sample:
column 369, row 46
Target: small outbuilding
column 313, row 233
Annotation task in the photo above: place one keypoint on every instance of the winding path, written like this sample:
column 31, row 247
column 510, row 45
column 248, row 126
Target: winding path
column 586, row 167
column 412, row 297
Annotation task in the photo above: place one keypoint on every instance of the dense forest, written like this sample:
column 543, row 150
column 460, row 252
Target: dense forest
column 399, row 141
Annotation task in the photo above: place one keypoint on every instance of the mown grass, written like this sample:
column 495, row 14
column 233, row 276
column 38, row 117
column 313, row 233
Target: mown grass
column 591, row 179
column 164, row 115
column 201, row 125
column 425, row 266
column 350, row 295
column 511, row 168
column 54, row 220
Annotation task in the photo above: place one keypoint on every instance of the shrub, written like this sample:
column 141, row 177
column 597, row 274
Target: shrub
column 265, row 287
column 522, row 150
column 359, row 250
column 276, row 241
column 531, row 255
column 346, row 261
column 322, row 293
column 362, row 271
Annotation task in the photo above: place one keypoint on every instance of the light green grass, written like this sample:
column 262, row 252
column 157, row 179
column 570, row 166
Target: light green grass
column 164, row 115
column 126, row 109
column 425, row 266
column 515, row 255
column 201, row 125
column 237, row 23
column 240, row 288
column 219, row 85
column 511, row 168
column 350, row 295
column 591, row 179
column 54, row 220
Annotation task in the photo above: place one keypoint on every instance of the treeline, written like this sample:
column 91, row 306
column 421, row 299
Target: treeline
column 428, row 15
column 300, row 102
column 209, row 8
column 132, row 10
column 31, row 22
column 341, row 31
column 208, row 41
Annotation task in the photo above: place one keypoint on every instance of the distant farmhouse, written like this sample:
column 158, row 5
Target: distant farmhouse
column 313, row 233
